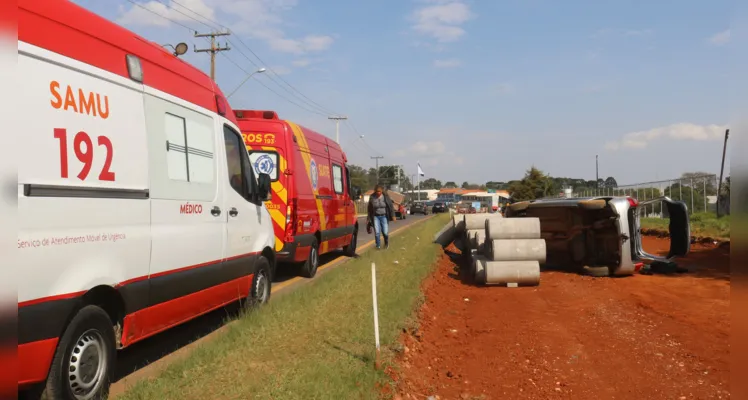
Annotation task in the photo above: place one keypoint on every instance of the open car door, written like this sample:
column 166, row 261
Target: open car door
column 679, row 229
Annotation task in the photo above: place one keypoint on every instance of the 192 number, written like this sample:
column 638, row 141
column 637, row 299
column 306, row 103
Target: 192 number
column 84, row 154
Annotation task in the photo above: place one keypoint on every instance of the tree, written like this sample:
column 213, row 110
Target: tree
column 359, row 176
column 698, row 179
column 534, row 185
column 450, row 185
column 465, row 185
column 610, row 183
column 431, row 183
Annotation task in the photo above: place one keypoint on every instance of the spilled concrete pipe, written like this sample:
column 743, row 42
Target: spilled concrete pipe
column 476, row 238
column 478, row 221
column 512, row 228
column 479, row 269
column 446, row 235
column 516, row 250
column 521, row 273
column 458, row 221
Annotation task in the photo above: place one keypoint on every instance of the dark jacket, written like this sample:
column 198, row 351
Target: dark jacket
column 390, row 214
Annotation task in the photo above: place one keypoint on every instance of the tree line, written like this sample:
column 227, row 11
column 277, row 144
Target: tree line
column 536, row 184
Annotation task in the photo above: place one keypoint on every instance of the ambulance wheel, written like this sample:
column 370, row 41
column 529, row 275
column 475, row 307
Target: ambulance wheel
column 84, row 361
column 309, row 268
column 259, row 293
column 350, row 249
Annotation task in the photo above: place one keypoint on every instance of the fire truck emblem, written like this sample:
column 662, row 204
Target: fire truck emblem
column 264, row 165
column 313, row 174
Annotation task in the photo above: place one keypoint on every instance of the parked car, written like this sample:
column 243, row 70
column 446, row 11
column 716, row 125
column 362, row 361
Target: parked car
column 419, row 208
column 601, row 236
column 438, row 207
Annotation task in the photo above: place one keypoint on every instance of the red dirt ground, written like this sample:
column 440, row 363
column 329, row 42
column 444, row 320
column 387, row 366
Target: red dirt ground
column 575, row 337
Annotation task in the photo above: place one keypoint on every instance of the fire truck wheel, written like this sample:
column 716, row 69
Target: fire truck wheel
column 309, row 268
column 350, row 249
column 85, row 358
column 259, row 293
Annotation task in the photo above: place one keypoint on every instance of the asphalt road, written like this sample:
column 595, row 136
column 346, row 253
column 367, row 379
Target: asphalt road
column 148, row 357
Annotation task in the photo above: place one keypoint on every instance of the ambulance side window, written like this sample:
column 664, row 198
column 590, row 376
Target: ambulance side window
column 348, row 180
column 240, row 173
column 337, row 178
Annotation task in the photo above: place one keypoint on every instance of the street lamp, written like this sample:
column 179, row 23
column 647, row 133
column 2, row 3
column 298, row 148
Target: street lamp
column 259, row 71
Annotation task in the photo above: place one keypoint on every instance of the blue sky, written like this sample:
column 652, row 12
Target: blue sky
column 479, row 90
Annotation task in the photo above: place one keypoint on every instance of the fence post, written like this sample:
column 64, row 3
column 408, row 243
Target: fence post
column 680, row 190
column 692, row 210
column 704, row 194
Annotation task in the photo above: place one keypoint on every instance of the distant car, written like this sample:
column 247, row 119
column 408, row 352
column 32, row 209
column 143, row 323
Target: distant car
column 601, row 236
column 439, row 207
column 400, row 213
column 419, row 208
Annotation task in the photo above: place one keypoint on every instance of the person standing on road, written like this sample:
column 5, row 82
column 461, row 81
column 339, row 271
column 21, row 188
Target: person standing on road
column 380, row 212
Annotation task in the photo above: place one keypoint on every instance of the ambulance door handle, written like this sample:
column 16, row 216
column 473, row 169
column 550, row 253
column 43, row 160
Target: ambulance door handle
column 233, row 212
column 216, row 211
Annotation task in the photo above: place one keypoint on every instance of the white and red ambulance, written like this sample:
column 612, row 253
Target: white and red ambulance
column 138, row 206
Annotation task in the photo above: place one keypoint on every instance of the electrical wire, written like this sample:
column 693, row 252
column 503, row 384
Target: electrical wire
column 309, row 101
column 222, row 54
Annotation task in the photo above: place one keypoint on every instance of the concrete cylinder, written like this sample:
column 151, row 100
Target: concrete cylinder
column 516, row 250
column 523, row 273
column 475, row 237
column 458, row 220
column 478, row 221
column 479, row 269
column 512, row 228
column 446, row 235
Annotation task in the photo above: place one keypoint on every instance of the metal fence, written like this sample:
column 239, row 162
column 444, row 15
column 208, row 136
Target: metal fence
column 695, row 191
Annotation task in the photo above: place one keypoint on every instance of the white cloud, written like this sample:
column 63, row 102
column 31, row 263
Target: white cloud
column 145, row 14
column 257, row 19
column 721, row 38
column 622, row 32
column 305, row 62
column 442, row 19
column 449, row 63
column 505, row 88
column 282, row 70
column 682, row 131
column 422, row 148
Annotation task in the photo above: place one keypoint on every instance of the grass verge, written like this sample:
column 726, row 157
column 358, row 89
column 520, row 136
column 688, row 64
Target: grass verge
column 702, row 225
column 316, row 342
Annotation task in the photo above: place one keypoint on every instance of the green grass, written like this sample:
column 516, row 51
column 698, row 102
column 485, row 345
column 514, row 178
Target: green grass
column 316, row 342
column 702, row 224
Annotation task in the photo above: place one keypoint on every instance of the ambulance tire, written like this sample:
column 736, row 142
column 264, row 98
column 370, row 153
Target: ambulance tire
column 309, row 268
column 259, row 292
column 350, row 249
column 90, row 336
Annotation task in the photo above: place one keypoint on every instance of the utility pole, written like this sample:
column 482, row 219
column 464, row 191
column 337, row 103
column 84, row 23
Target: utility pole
column 337, row 126
column 214, row 48
column 721, row 172
column 376, row 160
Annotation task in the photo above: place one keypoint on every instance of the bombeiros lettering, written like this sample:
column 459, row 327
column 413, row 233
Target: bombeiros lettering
column 79, row 101
column 190, row 208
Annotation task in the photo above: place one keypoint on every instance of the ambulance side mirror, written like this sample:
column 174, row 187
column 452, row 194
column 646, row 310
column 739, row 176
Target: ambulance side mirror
column 263, row 186
column 356, row 193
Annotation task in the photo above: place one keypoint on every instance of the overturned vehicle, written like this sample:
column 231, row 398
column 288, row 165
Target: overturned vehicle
column 601, row 236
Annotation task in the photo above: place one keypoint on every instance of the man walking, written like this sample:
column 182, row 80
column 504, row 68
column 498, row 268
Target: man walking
column 380, row 212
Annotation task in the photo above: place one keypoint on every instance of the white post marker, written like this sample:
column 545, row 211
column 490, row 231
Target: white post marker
column 374, row 296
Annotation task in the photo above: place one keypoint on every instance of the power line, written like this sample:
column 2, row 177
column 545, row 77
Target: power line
column 309, row 101
column 273, row 91
column 228, row 58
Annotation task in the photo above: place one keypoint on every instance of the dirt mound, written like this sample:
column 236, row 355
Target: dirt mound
column 575, row 337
